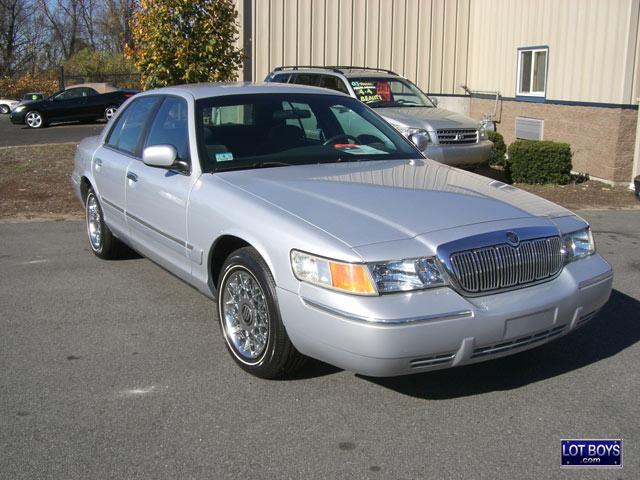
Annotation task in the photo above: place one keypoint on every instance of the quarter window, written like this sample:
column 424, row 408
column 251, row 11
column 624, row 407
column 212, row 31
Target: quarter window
column 532, row 71
column 126, row 134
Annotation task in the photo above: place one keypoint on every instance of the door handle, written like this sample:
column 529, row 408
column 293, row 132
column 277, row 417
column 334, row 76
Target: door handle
column 132, row 176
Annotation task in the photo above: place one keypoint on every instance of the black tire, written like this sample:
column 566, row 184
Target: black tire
column 279, row 358
column 34, row 119
column 4, row 109
column 108, row 247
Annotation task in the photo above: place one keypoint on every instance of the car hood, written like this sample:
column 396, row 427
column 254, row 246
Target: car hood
column 379, row 201
column 427, row 118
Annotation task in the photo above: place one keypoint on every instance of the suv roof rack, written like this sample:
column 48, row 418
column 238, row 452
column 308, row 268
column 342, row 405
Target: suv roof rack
column 334, row 68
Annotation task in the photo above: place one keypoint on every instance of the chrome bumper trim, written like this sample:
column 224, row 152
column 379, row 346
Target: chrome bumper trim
column 597, row 279
column 388, row 321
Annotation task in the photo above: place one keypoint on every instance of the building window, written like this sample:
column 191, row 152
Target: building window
column 532, row 71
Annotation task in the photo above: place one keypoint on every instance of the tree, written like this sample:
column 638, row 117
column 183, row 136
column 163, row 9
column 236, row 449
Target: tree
column 182, row 41
column 14, row 34
column 64, row 19
column 115, row 24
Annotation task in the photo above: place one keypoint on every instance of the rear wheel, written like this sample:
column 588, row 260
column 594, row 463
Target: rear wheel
column 250, row 318
column 4, row 109
column 109, row 112
column 102, row 242
column 34, row 119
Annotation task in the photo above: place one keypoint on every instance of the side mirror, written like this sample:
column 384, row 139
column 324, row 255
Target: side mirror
column 434, row 100
column 420, row 140
column 162, row 156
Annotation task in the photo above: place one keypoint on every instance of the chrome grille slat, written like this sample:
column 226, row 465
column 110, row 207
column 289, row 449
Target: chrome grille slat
column 457, row 136
column 503, row 266
column 518, row 342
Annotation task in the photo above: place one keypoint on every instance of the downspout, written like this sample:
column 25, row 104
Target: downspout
column 635, row 170
column 247, row 40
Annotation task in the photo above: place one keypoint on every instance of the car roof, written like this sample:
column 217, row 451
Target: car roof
column 205, row 90
column 100, row 87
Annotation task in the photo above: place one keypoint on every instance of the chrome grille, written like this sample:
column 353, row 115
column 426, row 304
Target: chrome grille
column 457, row 137
column 518, row 342
column 503, row 266
column 433, row 360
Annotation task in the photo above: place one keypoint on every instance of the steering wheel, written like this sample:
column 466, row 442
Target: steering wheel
column 332, row 140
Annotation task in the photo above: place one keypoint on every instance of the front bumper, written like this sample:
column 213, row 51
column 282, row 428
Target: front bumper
column 460, row 155
column 17, row 117
column 407, row 333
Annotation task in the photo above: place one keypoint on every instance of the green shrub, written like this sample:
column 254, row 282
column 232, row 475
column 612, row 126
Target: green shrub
column 533, row 161
column 496, row 156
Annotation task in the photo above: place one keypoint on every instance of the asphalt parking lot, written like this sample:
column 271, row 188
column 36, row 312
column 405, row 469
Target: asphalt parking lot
column 117, row 370
column 12, row 135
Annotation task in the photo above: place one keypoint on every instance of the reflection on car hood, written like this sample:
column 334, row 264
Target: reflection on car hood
column 378, row 201
column 427, row 118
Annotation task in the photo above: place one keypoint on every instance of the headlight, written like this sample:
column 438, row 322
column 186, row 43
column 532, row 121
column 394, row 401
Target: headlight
column 578, row 244
column 482, row 133
column 409, row 274
column 20, row 108
column 408, row 131
column 371, row 279
column 346, row 277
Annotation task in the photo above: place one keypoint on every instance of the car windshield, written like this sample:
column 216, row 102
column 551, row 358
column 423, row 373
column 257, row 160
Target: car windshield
column 389, row 92
column 273, row 129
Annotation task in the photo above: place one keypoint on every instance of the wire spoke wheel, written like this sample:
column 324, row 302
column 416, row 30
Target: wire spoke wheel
column 245, row 316
column 94, row 222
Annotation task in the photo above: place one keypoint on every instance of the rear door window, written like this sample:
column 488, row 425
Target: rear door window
column 332, row 83
column 311, row 79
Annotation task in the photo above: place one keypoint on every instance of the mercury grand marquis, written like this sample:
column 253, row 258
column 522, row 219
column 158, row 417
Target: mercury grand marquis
column 320, row 231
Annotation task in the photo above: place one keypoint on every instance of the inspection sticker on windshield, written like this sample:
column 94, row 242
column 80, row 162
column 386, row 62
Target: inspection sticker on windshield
column 356, row 149
column 224, row 157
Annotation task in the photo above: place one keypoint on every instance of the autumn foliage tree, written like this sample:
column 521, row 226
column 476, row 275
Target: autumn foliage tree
column 185, row 41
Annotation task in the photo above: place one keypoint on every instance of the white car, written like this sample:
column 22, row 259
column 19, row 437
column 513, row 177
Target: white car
column 7, row 105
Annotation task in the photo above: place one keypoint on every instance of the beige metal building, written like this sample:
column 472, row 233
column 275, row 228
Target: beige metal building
column 566, row 70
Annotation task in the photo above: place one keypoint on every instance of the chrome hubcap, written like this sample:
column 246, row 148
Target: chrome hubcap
column 245, row 317
column 94, row 222
column 34, row 119
column 109, row 112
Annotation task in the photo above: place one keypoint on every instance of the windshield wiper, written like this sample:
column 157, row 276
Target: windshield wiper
column 251, row 165
column 228, row 168
column 275, row 164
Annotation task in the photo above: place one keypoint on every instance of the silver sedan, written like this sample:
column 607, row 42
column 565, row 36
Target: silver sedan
column 319, row 231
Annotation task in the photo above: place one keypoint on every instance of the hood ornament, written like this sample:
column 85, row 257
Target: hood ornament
column 513, row 239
